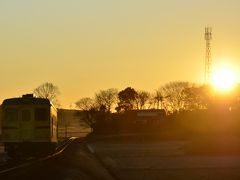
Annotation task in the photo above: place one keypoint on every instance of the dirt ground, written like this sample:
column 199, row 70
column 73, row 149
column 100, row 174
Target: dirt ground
column 201, row 158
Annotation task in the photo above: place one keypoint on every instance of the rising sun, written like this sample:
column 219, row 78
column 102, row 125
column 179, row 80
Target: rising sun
column 224, row 79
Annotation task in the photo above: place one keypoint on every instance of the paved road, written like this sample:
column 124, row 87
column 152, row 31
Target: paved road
column 167, row 160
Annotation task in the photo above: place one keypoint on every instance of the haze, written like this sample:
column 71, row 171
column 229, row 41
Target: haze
column 86, row 46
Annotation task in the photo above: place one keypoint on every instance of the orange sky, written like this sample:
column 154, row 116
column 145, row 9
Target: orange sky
column 87, row 46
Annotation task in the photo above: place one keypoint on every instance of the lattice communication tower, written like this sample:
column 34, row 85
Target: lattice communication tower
column 208, row 59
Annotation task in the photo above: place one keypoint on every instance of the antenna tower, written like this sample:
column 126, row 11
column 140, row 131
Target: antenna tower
column 208, row 59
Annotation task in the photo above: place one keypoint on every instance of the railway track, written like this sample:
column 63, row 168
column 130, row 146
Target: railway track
column 10, row 167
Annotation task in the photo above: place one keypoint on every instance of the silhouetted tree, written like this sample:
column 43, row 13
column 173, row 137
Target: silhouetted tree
column 89, row 111
column 106, row 98
column 186, row 96
column 192, row 98
column 85, row 104
column 49, row 91
column 175, row 93
column 205, row 96
column 158, row 99
column 142, row 99
column 90, row 117
column 127, row 99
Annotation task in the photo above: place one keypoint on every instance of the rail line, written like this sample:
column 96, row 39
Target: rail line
column 10, row 167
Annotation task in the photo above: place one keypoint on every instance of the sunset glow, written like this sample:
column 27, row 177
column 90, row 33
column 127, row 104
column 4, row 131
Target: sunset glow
column 86, row 46
column 224, row 79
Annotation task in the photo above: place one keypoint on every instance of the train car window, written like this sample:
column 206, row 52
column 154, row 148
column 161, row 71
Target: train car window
column 41, row 114
column 11, row 114
column 26, row 115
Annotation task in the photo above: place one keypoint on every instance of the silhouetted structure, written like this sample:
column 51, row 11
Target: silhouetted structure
column 146, row 116
column 208, row 60
column 70, row 123
column 133, row 121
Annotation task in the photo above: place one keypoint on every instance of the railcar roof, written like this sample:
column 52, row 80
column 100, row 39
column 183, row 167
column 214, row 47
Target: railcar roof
column 20, row 101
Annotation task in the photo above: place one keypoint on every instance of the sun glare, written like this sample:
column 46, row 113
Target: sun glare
column 224, row 79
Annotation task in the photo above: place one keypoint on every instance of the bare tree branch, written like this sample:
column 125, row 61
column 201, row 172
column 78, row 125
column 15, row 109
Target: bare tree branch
column 49, row 91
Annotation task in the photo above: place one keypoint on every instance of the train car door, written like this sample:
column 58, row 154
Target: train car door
column 26, row 125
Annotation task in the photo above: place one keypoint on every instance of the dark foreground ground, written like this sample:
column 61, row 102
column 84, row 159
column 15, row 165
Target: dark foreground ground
column 74, row 164
column 137, row 157
column 200, row 158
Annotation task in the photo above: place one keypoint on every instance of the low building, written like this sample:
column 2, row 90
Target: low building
column 146, row 116
column 70, row 123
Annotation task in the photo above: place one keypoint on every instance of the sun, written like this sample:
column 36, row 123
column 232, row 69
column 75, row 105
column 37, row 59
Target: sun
column 224, row 78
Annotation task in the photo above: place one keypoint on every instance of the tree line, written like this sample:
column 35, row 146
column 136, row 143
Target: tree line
column 177, row 96
column 174, row 96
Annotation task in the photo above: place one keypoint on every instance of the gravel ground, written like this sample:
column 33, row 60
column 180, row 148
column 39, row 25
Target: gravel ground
column 171, row 159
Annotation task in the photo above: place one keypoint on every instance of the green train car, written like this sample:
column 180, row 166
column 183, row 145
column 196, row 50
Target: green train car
column 29, row 126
